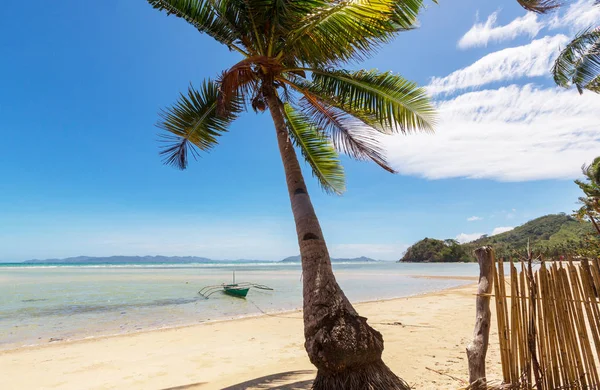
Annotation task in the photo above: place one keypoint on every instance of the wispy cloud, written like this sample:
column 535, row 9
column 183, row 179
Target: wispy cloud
column 468, row 237
column 474, row 218
column 483, row 33
column 502, row 229
column 531, row 60
column 513, row 133
column 579, row 15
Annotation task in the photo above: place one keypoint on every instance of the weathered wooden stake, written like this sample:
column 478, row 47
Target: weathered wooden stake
column 477, row 349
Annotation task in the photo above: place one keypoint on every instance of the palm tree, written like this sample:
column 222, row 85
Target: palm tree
column 291, row 52
column 540, row 6
column 591, row 188
column 579, row 63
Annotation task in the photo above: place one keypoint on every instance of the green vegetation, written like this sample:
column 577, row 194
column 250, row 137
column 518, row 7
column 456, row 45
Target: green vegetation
column 579, row 62
column 430, row 250
column 590, row 209
column 590, row 186
column 550, row 236
column 540, row 6
column 292, row 55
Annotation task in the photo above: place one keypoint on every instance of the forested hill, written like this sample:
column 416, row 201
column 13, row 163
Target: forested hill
column 550, row 235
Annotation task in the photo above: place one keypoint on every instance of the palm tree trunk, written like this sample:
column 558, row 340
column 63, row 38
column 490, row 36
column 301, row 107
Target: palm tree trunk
column 594, row 222
column 339, row 342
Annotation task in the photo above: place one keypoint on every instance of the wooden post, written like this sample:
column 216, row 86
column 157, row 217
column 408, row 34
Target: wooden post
column 477, row 349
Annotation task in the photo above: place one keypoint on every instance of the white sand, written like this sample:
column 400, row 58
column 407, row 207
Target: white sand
column 256, row 353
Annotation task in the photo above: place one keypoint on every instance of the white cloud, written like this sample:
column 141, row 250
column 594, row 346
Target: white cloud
column 578, row 16
column 468, row 237
column 502, row 229
column 474, row 218
column 483, row 33
column 513, row 133
column 533, row 59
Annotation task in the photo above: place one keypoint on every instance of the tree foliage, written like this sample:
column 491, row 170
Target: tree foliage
column 540, row 6
column 297, row 49
column 551, row 236
column 590, row 186
column 579, row 62
column 430, row 250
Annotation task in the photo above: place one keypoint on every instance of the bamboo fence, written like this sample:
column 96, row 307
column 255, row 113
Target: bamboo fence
column 549, row 324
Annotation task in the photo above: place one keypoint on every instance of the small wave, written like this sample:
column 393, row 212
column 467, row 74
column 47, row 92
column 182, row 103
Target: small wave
column 151, row 265
column 70, row 309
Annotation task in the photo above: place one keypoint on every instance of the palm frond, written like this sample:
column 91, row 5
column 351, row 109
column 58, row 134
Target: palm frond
column 540, row 6
column 237, row 82
column 349, row 136
column 340, row 31
column 307, row 89
column 317, row 151
column 579, row 63
column 394, row 102
column 204, row 16
column 194, row 121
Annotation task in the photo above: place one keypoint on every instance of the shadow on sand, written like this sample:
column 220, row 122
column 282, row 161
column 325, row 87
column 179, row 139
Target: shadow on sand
column 283, row 381
column 187, row 387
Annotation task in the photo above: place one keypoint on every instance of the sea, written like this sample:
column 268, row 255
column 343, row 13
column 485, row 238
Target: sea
column 44, row 303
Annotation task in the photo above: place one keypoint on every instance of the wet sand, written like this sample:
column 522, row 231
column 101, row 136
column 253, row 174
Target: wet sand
column 425, row 339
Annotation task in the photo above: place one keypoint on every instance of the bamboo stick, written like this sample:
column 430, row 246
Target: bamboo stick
column 572, row 324
column 515, row 325
column 570, row 366
column 526, row 363
column 550, row 311
column 554, row 316
column 592, row 309
column 500, row 304
column 586, row 347
column 563, row 331
column 547, row 381
column 595, row 268
column 512, row 377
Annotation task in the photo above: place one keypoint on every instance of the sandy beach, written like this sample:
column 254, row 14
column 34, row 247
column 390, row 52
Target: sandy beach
column 425, row 338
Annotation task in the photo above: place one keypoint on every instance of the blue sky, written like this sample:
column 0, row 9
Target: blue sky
column 80, row 173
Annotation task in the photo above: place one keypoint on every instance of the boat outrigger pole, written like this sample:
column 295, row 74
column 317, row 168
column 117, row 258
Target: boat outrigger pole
column 239, row 290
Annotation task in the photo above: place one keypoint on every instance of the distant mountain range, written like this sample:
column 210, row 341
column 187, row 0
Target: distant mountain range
column 173, row 260
column 362, row 259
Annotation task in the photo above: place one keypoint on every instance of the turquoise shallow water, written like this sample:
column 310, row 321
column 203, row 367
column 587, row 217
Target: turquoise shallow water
column 39, row 303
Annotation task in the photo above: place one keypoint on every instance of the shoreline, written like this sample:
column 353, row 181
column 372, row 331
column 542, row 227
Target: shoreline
column 425, row 335
column 54, row 342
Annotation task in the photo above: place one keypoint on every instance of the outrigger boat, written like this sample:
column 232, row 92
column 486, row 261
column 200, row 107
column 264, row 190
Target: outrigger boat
column 239, row 290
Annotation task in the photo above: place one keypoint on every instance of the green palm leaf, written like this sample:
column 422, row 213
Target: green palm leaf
column 579, row 63
column 195, row 121
column 394, row 102
column 340, row 31
column 540, row 6
column 316, row 149
column 349, row 136
column 204, row 16
column 340, row 111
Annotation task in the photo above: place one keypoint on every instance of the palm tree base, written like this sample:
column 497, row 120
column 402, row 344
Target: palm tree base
column 372, row 376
